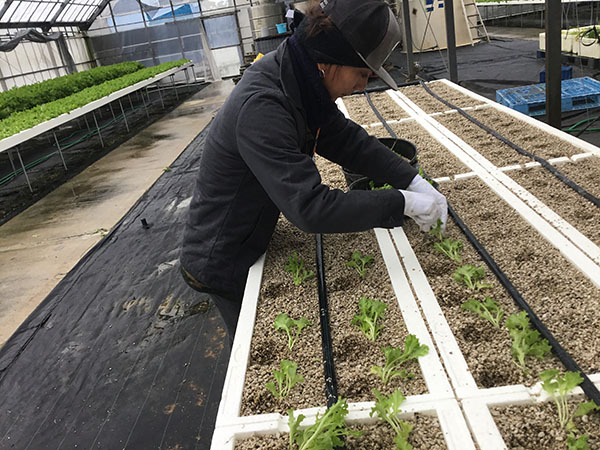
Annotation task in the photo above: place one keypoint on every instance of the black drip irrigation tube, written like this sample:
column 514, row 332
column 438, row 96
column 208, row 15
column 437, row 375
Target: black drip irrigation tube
column 545, row 164
column 330, row 379
column 565, row 358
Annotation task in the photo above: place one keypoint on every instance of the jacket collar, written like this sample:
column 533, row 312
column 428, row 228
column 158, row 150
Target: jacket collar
column 289, row 83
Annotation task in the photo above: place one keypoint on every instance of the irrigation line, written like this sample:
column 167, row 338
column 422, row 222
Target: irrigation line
column 330, row 379
column 545, row 164
column 565, row 358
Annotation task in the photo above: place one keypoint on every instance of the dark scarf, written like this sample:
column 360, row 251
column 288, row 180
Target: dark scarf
column 316, row 100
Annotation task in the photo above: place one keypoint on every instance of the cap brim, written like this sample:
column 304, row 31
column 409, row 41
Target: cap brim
column 385, row 76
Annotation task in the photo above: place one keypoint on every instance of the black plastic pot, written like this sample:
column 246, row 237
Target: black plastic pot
column 402, row 147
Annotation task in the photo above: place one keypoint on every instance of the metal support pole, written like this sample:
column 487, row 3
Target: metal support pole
column 12, row 163
column 124, row 115
column 130, row 102
column 451, row 39
column 59, row 150
column 174, row 86
column 553, row 69
column 410, row 61
column 112, row 112
column 145, row 107
column 86, row 123
column 161, row 99
column 98, row 128
column 24, row 171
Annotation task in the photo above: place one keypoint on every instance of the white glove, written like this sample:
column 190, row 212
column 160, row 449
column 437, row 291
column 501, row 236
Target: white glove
column 424, row 209
column 419, row 184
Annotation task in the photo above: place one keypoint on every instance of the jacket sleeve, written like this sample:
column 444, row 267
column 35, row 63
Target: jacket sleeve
column 349, row 145
column 268, row 142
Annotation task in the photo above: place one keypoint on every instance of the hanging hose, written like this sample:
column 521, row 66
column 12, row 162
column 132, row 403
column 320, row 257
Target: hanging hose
column 545, row 164
column 330, row 379
column 565, row 358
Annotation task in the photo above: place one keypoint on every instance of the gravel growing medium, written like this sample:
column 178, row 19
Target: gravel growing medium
column 565, row 300
column 430, row 105
column 426, row 435
column 567, row 203
column 359, row 110
column 537, row 427
column 585, row 173
column 387, row 107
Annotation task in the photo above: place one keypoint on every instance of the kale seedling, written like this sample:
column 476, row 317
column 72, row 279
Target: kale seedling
column 437, row 233
column 292, row 327
column 559, row 386
column 375, row 188
column 525, row 341
column 577, row 443
column 325, row 434
column 295, row 266
column 450, row 248
column 395, row 357
column 471, row 276
column 388, row 409
column 488, row 310
column 370, row 311
column 286, row 379
column 360, row 262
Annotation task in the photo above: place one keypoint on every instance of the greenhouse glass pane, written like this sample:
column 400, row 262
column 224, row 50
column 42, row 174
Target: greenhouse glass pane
column 208, row 5
column 70, row 13
column 9, row 12
column 21, row 12
column 228, row 61
column 221, row 31
column 43, row 12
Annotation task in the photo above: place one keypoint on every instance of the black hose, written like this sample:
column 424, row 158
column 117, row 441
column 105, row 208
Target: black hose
column 545, row 164
column 330, row 379
column 379, row 116
column 565, row 358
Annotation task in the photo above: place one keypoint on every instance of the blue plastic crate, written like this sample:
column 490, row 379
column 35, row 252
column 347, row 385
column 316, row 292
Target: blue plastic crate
column 566, row 73
column 578, row 93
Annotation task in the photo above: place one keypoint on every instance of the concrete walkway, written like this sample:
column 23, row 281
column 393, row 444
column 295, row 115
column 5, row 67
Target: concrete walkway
column 39, row 246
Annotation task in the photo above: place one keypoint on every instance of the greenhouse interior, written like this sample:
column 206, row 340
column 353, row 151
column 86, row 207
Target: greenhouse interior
column 266, row 224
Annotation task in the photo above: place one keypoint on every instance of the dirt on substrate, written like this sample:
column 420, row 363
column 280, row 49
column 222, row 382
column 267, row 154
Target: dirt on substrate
column 387, row 107
column 426, row 435
column 359, row 110
column 586, row 173
column 564, row 299
column 534, row 427
column 430, row 104
column 563, row 200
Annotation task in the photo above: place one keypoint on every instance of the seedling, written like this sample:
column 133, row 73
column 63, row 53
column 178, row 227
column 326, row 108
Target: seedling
column 395, row 357
column 437, row 232
column 295, row 266
column 577, row 443
column 471, row 276
column 559, row 386
column 388, row 409
column 325, row 434
column 167, row 169
column 375, row 188
column 360, row 262
column 425, row 177
column 525, row 341
column 488, row 310
column 286, row 379
column 370, row 311
column 450, row 248
column 292, row 327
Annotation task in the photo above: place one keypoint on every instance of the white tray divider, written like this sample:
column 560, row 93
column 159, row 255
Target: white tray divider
column 590, row 148
column 454, row 361
column 556, row 234
column 431, row 366
column 482, row 425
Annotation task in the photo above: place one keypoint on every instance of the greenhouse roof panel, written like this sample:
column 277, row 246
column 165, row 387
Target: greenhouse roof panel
column 48, row 13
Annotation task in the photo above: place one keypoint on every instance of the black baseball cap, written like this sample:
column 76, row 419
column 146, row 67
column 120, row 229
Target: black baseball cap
column 371, row 29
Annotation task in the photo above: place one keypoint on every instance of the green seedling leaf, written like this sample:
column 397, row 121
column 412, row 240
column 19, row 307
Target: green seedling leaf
column 577, row 443
column 286, row 379
column 388, row 409
column 295, row 266
column 559, row 386
column 360, row 262
column 450, row 248
column 471, row 277
column 436, row 232
column 370, row 312
column 525, row 341
column 375, row 188
column 425, row 177
column 325, row 434
column 292, row 327
column 395, row 357
column 488, row 310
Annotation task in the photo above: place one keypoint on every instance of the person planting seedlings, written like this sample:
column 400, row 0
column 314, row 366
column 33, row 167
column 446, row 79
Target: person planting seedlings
column 258, row 158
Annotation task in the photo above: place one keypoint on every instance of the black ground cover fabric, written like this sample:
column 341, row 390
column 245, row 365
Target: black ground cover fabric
column 121, row 354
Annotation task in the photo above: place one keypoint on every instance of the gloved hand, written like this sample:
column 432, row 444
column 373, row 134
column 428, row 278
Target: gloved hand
column 424, row 209
column 420, row 185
